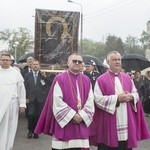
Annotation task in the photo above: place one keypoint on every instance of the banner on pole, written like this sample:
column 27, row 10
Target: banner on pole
column 56, row 35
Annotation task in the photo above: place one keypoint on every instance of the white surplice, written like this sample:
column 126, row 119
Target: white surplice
column 58, row 106
column 111, row 101
column 12, row 96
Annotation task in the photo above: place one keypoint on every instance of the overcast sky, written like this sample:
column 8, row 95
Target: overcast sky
column 101, row 17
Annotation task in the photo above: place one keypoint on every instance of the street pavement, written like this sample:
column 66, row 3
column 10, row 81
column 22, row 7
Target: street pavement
column 44, row 141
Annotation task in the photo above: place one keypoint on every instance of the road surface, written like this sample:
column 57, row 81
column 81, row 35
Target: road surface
column 44, row 142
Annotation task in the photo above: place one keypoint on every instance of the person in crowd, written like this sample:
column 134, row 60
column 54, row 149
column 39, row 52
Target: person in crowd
column 13, row 63
column 37, row 85
column 132, row 74
column 91, row 72
column 119, row 119
column 147, row 94
column 28, row 67
column 12, row 96
column 69, row 108
column 139, row 84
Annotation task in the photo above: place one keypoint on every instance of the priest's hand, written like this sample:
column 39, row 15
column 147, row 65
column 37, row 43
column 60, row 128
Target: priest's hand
column 129, row 96
column 125, row 97
column 77, row 119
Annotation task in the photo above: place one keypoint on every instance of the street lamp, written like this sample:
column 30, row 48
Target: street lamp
column 81, row 16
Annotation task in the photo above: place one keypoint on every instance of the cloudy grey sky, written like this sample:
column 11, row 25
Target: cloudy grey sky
column 101, row 17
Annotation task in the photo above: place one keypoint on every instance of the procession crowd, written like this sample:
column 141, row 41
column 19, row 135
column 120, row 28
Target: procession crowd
column 142, row 83
column 79, row 107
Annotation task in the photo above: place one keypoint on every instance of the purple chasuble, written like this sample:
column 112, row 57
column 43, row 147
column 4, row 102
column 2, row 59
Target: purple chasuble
column 47, row 123
column 104, row 123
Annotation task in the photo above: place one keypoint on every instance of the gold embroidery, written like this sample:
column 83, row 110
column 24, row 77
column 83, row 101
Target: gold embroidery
column 76, row 99
column 65, row 27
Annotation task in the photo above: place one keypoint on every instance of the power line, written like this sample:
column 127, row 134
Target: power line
column 113, row 9
column 114, row 5
column 110, row 11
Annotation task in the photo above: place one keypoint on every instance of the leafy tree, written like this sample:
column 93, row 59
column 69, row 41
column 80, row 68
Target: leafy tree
column 145, row 40
column 132, row 45
column 114, row 43
column 93, row 48
column 19, row 40
column 120, row 46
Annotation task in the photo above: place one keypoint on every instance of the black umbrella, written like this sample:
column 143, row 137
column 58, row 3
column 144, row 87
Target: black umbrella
column 100, row 66
column 25, row 56
column 134, row 62
column 87, row 58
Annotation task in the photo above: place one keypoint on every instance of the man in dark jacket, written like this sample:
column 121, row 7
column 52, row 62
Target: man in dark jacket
column 37, row 85
column 28, row 67
column 91, row 72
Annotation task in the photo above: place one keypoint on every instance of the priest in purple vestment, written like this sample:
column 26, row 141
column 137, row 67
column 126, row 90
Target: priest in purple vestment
column 69, row 108
column 119, row 119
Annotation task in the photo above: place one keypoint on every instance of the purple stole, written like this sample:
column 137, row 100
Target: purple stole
column 47, row 123
column 105, row 123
